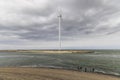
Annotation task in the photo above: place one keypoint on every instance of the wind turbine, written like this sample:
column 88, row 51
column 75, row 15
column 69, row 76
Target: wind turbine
column 59, row 29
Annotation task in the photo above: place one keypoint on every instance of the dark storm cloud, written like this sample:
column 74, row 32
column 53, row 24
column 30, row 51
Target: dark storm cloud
column 81, row 18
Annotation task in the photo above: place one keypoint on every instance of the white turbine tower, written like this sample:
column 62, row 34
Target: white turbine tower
column 59, row 32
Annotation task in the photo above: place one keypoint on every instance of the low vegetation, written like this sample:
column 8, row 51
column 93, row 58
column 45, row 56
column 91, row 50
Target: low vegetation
column 49, row 51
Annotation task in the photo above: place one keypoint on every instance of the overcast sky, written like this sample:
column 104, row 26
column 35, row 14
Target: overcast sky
column 33, row 24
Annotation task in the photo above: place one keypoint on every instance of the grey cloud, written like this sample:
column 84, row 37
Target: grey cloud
column 42, row 24
column 45, row 12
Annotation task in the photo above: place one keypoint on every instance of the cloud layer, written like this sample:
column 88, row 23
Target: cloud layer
column 36, row 20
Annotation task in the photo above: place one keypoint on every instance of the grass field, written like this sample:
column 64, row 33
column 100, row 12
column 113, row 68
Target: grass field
column 49, row 74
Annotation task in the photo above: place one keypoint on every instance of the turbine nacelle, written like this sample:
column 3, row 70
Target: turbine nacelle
column 60, row 15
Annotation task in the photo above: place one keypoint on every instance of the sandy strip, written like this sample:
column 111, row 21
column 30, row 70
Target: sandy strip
column 49, row 51
column 49, row 74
